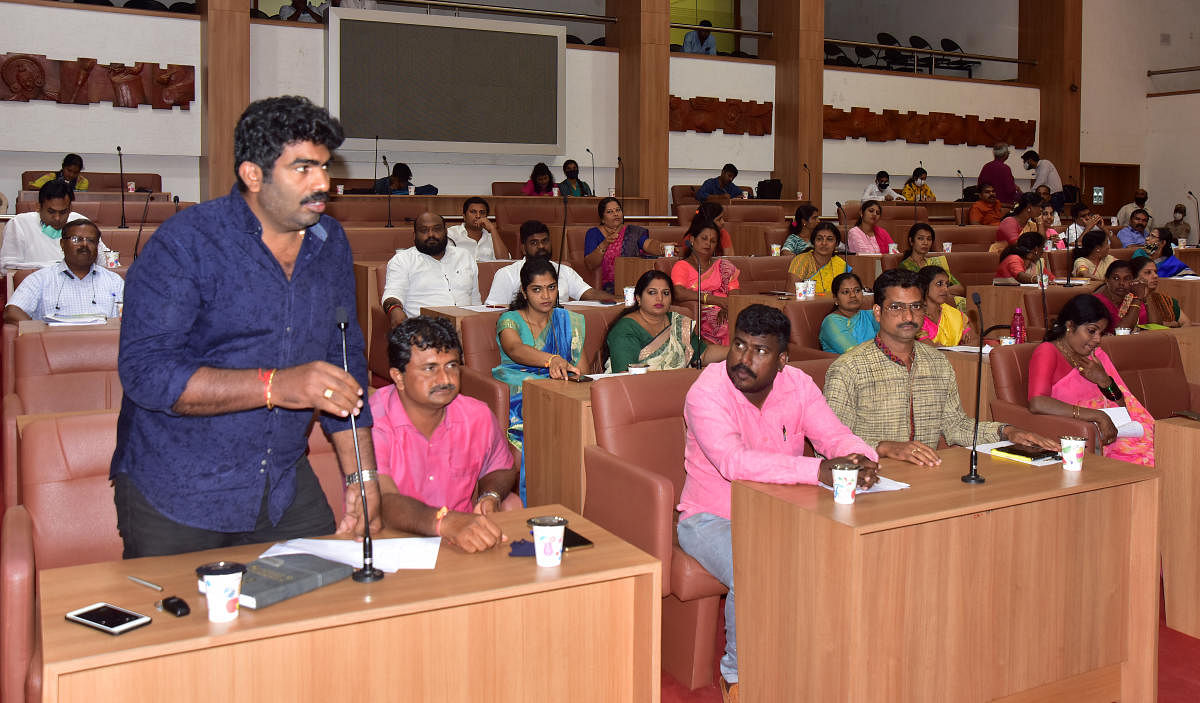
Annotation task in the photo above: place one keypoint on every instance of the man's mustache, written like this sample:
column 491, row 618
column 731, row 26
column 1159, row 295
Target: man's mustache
column 445, row 387
column 318, row 197
column 743, row 367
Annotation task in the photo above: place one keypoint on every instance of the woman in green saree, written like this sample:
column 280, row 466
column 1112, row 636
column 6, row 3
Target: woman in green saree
column 649, row 333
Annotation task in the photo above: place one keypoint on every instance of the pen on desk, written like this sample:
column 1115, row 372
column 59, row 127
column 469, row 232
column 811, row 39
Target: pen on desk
column 145, row 583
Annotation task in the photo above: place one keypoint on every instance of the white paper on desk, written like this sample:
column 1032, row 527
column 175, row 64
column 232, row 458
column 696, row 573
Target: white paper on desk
column 987, row 449
column 598, row 376
column 967, row 348
column 884, row 484
column 1125, row 425
column 81, row 319
column 1185, row 278
column 390, row 555
column 593, row 303
column 477, row 308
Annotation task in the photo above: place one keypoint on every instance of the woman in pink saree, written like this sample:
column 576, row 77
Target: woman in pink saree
column 1070, row 376
column 700, row 275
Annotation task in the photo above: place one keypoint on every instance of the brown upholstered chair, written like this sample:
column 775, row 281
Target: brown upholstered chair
column 507, row 187
column 102, row 181
column 1010, row 375
column 757, row 274
column 1056, row 298
column 156, row 212
column 1150, row 364
column 750, row 211
column 683, row 195
column 634, row 475
column 966, row 237
column 65, row 351
column 806, row 317
column 375, row 243
column 374, row 210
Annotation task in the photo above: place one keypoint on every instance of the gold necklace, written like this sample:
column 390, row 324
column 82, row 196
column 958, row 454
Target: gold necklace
column 1072, row 358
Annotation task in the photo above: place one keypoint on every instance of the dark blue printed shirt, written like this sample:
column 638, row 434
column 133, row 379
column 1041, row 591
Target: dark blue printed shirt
column 206, row 291
column 713, row 187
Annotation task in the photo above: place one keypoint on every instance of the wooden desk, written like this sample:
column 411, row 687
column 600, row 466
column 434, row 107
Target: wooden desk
column 1189, row 256
column 1189, row 349
column 558, row 425
column 964, row 364
column 479, row 627
column 451, row 313
column 628, row 269
column 35, row 326
column 451, row 205
column 1176, row 445
column 1188, row 293
column 1037, row 585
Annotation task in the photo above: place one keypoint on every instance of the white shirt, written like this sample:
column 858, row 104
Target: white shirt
column 1075, row 231
column 54, row 290
column 483, row 250
column 1044, row 174
column 27, row 247
column 873, row 193
column 508, row 281
column 418, row 280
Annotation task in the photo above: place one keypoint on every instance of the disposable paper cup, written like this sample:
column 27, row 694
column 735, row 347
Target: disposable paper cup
column 845, row 482
column 810, row 289
column 629, row 296
column 638, row 369
column 112, row 259
column 892, row 248
column 119, row 307
column 130, row 186
column 800, row 287
column 776, row 249
column 221, row 584
column 947, row 246
column 1072, row 452
column 412, row 190
column 1122, row 331
column 1112, row 221
column 555, row 191
column 548, row 539
column 668, row 250
column 612, row 192
column 1005, row 341
column 341, row 190
column 799, row 195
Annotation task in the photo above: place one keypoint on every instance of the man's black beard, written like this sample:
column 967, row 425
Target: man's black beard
column 435, row 250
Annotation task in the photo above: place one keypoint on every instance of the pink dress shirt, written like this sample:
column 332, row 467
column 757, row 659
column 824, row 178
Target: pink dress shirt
column 728, row 438
column 442, row 470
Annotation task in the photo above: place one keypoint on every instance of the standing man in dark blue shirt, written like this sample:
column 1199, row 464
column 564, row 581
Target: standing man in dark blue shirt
column 230, row 342
column 721, row 185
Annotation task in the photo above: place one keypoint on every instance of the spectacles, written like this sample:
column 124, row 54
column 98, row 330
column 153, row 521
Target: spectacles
column 898, row 308
column 76, row 239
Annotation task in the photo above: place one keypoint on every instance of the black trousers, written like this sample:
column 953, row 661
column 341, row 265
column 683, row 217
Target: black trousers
column 146, row 532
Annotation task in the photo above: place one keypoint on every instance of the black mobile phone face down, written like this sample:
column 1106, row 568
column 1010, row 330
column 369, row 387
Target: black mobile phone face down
column 108, row 616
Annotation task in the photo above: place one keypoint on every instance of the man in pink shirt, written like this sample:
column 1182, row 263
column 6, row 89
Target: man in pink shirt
column 443, row 462
column 747, row 419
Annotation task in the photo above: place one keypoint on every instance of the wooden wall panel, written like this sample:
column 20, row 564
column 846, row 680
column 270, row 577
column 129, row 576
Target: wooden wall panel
column 225, row 76
column 918, row 128
column 1051, row 33
column 798, row 52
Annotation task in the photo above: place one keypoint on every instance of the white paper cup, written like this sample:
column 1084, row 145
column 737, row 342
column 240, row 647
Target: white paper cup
column 341, row 190
column 612, row 192
column 799, row 195
column 130, row 186
column 810, row 289
column 221, row 584
column 118, row 308
column 947, row 246
column 112, row 259
column 776, row 249
column 1113, row 221
column 893, row 248
column 845, row 483
column 554, row 190
column 1005, row 341
column 548, row 539
column 668, row 250
column 1072, row 449
column 638, row 369
column 629, row 296
column 1122, row 331
column 800, row 287
column 412, row 190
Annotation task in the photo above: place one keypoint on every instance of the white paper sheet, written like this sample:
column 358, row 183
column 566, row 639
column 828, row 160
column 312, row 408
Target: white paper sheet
column 478, row 308
column 987, row 449
column 598, row 376
column 884, row 484
column 1125, row 425
column 592, row 303
column 390, row 555
column 81, row 319
column 969, row 349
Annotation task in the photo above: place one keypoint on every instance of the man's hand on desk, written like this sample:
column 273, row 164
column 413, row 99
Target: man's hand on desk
column 470, row 532
column 912, row 452
column 352, row 523
column 1017, row 435
column 868, row 471
column 317, row 384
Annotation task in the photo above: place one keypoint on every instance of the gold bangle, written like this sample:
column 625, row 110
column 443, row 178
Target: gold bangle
column 552, row 358
column 1075, row 411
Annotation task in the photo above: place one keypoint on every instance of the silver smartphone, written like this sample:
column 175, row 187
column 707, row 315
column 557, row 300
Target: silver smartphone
column 108, row 618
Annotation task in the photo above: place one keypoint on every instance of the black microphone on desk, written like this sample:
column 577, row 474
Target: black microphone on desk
column 695, row 362
column 376, row 157
column 589, row 151
column 368, row 572
column 962, row 182
column 809, row 172
column 389, row 190
column 176, row 199
column 121, row 168
column 973, row 476
column 145, row 210
column 562, row 242
column 621, row 168
column 1042, row 285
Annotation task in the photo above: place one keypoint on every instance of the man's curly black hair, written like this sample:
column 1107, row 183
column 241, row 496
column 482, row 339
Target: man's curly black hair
column 420, row 333
column 270, row 124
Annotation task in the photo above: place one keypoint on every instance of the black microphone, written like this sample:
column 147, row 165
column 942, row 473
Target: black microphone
column 176, row 204
column 121, row 168
column 962, row 182
column 621, row 168
column 589, row 151
column 368, row 572
column 695, row 362
column 809, row 172
column 1042, row 285
column 145, row 210
column 973, row 475
column 388, row 187
column 562, row 242
column 376, row 162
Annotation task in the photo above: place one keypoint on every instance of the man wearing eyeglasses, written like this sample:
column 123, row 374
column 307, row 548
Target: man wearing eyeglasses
column 902, row 397
column 73, row 286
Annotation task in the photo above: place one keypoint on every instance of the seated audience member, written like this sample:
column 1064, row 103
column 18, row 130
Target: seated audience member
column 1022, row 261
column 699, row 275
column 650, row 333
column 571, row 185
column 721, row 185
column 946, row 323
column 987, row 210
column 1159, row 246
column 1045, row 175
column 613, row 238
column 538, row 339
column 800, row 230
column 302, row 11
column 31, row 239
column 429, row 273
column 1085, row 221
column 700, row 41
column 916, row 188
column 444, row 465
column 1011, row 227
column 1123, row 297
column 1125, row 214
column 735, row 412
column 1134, row 233
column 1090, row 258
column 3, row 204
column 535, row 244
column 1045, row 200
column 1180, row 230
column 866, row 236
column 540, row 181
column 820, row 263
column 1161, row 309
column 397, row 183
column 1044, row 224
column 72, row 164
column 707, row 212
column 848, row 325
column 902, row 397
column 997, row 174
column 73, row 286
column 1071, row 376
column 920, row 242
column 880, row 189
column 477, row 235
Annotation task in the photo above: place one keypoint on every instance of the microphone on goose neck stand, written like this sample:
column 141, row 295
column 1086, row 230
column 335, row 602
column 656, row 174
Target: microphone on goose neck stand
column 589, row 151
column 145, row 210
column 621, row 168
column 809, row 172
column 376, row 157
column 973, row 475
column 389, row 190
column 121, row 168
column 695, row 362
column 562, row 241
column 368, row 572
column 962, row 182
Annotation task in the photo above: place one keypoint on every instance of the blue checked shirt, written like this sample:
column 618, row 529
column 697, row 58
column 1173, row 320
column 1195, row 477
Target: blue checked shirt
column 54, row 290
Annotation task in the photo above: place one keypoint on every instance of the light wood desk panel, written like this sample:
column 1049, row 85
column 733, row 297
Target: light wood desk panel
column 558, row 426
column 1187, row 292
column 479, row 627
column 1176, row 446
column 1037, row 585
column 964, row 365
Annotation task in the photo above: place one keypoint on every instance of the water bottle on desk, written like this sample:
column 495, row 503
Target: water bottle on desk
column 1017, row 327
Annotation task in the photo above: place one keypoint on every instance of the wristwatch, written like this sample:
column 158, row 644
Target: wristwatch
column 488, row 494
column 367, row 475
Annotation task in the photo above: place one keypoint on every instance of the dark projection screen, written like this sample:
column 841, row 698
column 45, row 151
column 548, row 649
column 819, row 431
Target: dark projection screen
column 447, row 84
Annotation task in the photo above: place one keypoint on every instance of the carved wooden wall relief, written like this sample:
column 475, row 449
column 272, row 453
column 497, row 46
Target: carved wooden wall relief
column 918, row 128
column 25, row 77
column 710, row 114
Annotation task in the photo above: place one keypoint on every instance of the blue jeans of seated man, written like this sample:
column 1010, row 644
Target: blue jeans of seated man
column 708, row 539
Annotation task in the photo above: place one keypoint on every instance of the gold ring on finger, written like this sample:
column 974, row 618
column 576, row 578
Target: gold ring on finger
column 328, row 393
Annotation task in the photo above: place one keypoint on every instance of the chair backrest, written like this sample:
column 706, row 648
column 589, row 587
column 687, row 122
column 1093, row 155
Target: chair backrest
column 135, row 206
column 327, row 469
column 481, row 349
column 65, row 351
column 69, row 392
column 1152, row 368
column 753, row 212
column 816, row 369
column 1056, row 298
column 374, row 210
column 761, row 273
column 683, row 195
column 966, row 237
column 640, row 419
column 507, row 187
column 806, row 317
column 98, row 181
column 973, row 268
column 1010, row 372
column 374, row 244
